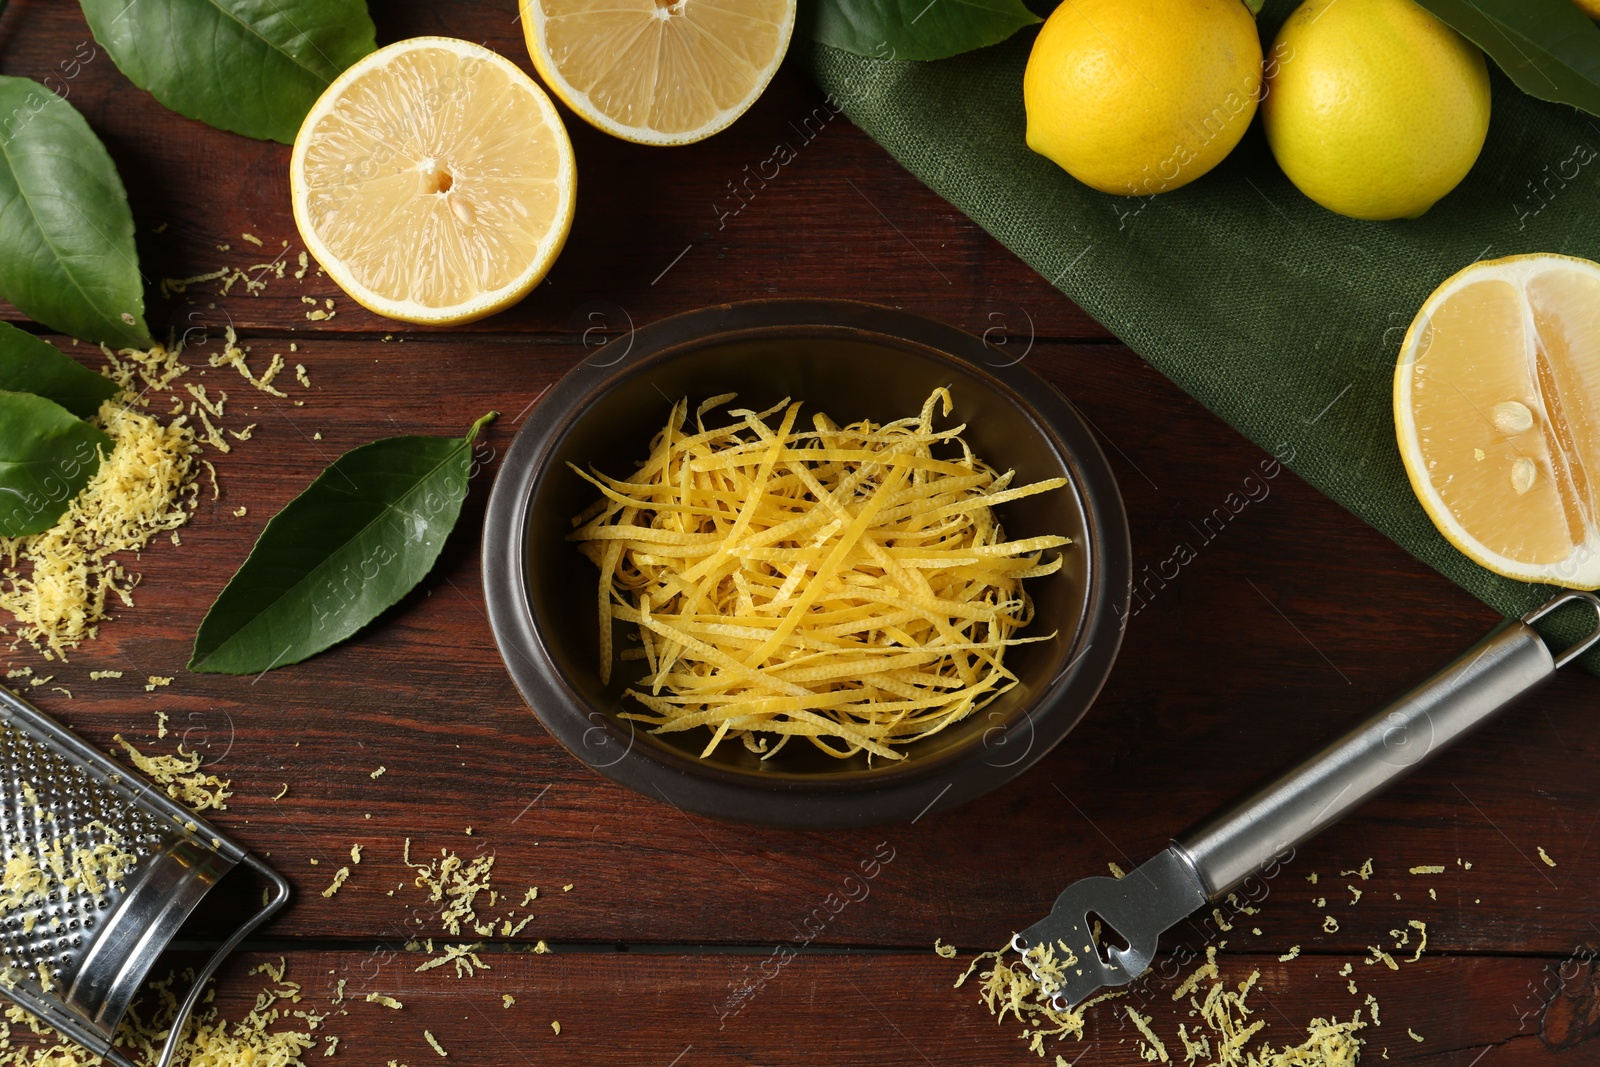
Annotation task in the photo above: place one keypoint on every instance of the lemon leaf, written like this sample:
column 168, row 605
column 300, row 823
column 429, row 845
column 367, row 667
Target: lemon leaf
column 30, row 364
column 65, row 228
column 250, row 66
column 1551, row 50
column 360, row 537
column 47, row 455
column 916, row 29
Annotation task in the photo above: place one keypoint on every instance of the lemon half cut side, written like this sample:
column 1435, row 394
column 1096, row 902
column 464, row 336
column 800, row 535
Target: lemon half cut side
column 1497, row 414
column 659, row 72
column 434, row 181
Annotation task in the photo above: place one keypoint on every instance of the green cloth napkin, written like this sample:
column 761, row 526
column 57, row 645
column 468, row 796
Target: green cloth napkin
column 1278, row 315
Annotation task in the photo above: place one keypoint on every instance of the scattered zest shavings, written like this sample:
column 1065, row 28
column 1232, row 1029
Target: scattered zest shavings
column 153, row 682
column 506, row 999
column 555, row 1025
column 234, row 355
column 841, row 584
column 1435, row 868
column 1422, row 943
column 378, row 773
column 180, row 776
column 270, row 1035
column 1153, row 1049
column 434, row 1042
column 1545, row 856
column 386, row 1001
column 340, row 876
column 1363, row 872
column 946, row 951
column 1330, row 924
column 1224, row 1036
column 456, row 884
column 1293, row 953
column 464, row 957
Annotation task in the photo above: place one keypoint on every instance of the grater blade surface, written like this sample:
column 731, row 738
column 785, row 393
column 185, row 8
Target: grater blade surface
column 100, row 869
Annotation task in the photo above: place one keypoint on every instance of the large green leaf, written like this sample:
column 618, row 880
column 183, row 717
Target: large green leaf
column 251, row 66
column 1548, row 47
column 31, row 365
column 916, row 29
column 66, row 235
column 47, row 454
column 357, row 540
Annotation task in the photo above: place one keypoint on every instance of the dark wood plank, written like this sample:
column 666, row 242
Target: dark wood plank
column 674, row 1010
column 841, row 218
column 1291, row 622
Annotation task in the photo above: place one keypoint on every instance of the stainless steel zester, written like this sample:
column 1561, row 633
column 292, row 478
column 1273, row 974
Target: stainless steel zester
column 1205, row 863
column 101, row 869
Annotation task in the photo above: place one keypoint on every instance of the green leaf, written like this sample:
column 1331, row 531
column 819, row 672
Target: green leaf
column 29, row 364
column 47, row 455
column 250, row 66
column 1550, row 49
column 357, row 540
column 916, row 29
column 66, row 235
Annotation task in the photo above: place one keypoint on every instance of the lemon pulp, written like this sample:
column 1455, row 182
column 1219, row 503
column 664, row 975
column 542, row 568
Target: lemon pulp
column 1497, row 408
column 658, row 72
column 434, row 181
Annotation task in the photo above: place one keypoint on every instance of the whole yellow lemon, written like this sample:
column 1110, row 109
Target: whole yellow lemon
column 1374, row 108
column 1142, row 96
column 1589, row 7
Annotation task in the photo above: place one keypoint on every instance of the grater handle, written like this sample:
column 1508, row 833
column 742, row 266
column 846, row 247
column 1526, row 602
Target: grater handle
column 1510, row 661
column 280, row 897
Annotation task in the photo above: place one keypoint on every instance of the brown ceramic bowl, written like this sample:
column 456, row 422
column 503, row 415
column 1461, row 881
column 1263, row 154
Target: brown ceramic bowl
column 852, row 361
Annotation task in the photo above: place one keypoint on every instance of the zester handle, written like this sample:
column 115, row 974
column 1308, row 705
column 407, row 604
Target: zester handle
column 1230, row 846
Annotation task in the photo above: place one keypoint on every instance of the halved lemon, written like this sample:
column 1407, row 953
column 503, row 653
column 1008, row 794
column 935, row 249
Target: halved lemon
column 1497, row 411
column 434, row 181
column 662, row 72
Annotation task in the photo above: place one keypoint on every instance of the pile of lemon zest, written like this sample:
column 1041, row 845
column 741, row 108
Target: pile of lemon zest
column 839, row 584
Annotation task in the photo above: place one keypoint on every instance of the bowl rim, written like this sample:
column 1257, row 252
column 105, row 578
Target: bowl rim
column 595, row 737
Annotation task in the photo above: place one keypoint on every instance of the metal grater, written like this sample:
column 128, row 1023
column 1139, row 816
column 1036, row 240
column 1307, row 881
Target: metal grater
column 75, row 950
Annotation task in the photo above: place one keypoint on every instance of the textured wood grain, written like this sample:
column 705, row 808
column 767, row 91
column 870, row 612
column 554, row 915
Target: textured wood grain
column 890, row 1009
column 1291, row 620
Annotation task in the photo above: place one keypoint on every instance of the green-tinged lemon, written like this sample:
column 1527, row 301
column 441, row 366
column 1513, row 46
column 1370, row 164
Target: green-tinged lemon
column 1374, row 108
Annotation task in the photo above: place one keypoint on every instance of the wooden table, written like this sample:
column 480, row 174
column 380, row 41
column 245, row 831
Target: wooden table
column 669, row 945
